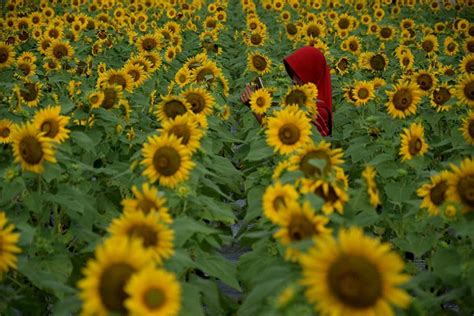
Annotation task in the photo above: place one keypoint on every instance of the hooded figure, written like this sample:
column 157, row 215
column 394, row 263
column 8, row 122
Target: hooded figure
column 309, row 65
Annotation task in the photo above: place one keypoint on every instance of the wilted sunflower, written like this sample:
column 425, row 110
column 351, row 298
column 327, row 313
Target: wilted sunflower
column 7, row 55
column 302, row 96
column 434, row 193
column 186, row 129
column 52, row 123
column 116, row 77
column 8, row 245
column 172, row 106
column 299, row 223
column 166, row 160
column 31, row 148
column 59, row 50
column 137, row 73
column 6, row 129
column 369, row 175
column 465, row 90
column 276, row 198
column 403, row 100
column 260, row 101
column 259, row 63
column 102, row 289
column 412, row 142
column 154, row 235
column 333, row 192
column 149, row 42
column 147, row 201
column 200, row 99
column 182, row 77
column 461, row 184
column 288, row 130
column 467, row 64
column 363, row 92
column 153, row 292
column 467, row 128
column 441, row 97
column 353, row 275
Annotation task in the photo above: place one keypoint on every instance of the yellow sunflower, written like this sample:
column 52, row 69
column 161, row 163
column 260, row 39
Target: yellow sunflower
column 52, row 124
column 59, row 50
column 102, row 289
column 182, row 77
column 170, row 54
column 96, row 99
column 166, row 160
column 369, row 174
column 425, row 80
column 29, row 93
column 172, row 106
column 154, row 235
column 259, row 63
column 363, row 92
column 343, row 66
column 116, row 77
column 137, row 73
column 26, row 69
column 8, row 245
column 403, row 100
column 314, row 30
column 467, row 128
column 6, row 129
column 451, row 47
column 353, row 275
column 31, row 148
column 186, row 129
column 461, row 184
column 373, row 61
column 260, row 101
column 201, row 101
column 154, row 60
column 288, row 130
column 299, row 223
column 386, row 33
column 412, row 142
column 149, row 42
column 153, row 292
column 302, row 96
column 112, row 96
column 441, row 97
column 147, row 200
column 333, row 192
column 466, row 66
column 434, row 193
column 277, row 197
column 207, row 72
column 465, row 90
column 430, row 44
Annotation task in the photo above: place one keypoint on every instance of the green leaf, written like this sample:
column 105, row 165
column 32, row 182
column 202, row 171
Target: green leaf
column 219, row 267
column 83, row 141
column 216, row 211
column 191, row 301
column 446, row 264
column 254, row 202
column 185, row 227
column 398, row 192
column 259, row 150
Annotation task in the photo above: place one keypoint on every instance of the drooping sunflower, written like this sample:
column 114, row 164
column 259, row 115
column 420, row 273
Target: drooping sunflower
column 260, row 101
column 412, row 142
column 200, row 99
column 403, row 100
column 137, row 73
column 288, row 130
column 363, row 92
column 31, row 148
column 369, row 174
column 466, row 66
column 7, row 55
column 441, row 97
column 277, row 197
column 59, row 50
column 465, row 89
column 299, row 223
column 8, row 245
column 6, row 129
column 461, row 184
column 172, row 106
column 153, row 292
column 333, row 192
column 186, row 129
column 149, row 42
column 467, row 128
column 148, row 200
column 52, row 123
column 353, row 275
column 154, row 235
column 166, row 160
column 102, row 289
column 434, row 193
column 258, row 63
column 304, row 96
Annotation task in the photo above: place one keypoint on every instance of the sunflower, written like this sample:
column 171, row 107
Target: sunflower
column 333, row 192
column 26, row 69
column 451, row 47
column 8, row 245
column 441, row 97
column 343, row 23
column 29, row 93
column 386, row 33
column 137, row 73
column 170, row 54
column 111, row 96
column 352, row 44
column 343, row 66
column 302, row 96
column 404, row 99
column 466, row 66
column 166, row 160
column 52, row 124
column 434, row 193
column 467, row 128
column 425, row 80
column 31, row 148
column 149, row 200
column 353, row 275
column 7, row 55
column 200, row 99
column 465, row 90
column 407, row 60
column 276, row 198
column 226, row 111
column 461, row 185
column 469, row 44
column 302, row 159
column 314, row 30
column 255, row 38
column 96, row 99
column 430, row 44
column 154, row 235
column 149, row 42
column 153, row 292
column 186, row 129
column 154, row 60
column 182, row 77
column 117, row 77
column 172, row 106
column 6, row 129
column 369, row 174
column 258, row 63
column 59, row 50
column 208, row 72
column 412, row 142
column 260, row 101
column 363, row 92
column 292, row 30
column 103, row 287
column 299, row 223
column 288, row 130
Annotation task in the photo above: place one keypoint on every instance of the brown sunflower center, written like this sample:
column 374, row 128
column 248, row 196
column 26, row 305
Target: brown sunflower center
column 425, row 81
column 259, row 63
column 291, row 29
column 300, row 228
column 110, row 98
column 330, row 196
column 296, row 96
column 260, row 101
column 149, row 44
column 166, row 161
column 5, row 132
column 465, row 188
column 205, row 74
column 4, row 55
column 428, row 46
column 469, row 90
column 135, row 74
column 402, row 99
column 441, row 95
column 355, row 281
column 118, row 79
column 146, row 233
column 363, row 93
column 25, row 69
column 256, row 39
column 470, row 129
column 343, row 23
column 111, row 286
column 414, row 146
column 278, row 202
column 60, row 50
column 289, row 134
column 174, row 108
column 377, row 62
column 310, row 170
column 50, row 128
column 198, row 103
column 181, row 131
column 313, row 31
column 385, row 32
column 342, row 64
column 353, row 46
column 451, row 47
column 438, row 193
column 31, row 150
column 470, row 46
column 53, row 33
column 154, row 298
column 31, row 92
column 469, row 67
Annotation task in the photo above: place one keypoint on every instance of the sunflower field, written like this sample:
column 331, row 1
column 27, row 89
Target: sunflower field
column 134, row 181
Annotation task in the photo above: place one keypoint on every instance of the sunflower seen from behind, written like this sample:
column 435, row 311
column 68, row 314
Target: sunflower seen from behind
column 260, row 101
column 461, row 184
column 277, row 197
column 434, row 193
column 8, row 245
column 353, row 275
column 412, row 142
column 403, row 100
column 52, row 123
column 147, row 200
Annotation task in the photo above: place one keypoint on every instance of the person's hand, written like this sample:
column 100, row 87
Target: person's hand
column 245, row 96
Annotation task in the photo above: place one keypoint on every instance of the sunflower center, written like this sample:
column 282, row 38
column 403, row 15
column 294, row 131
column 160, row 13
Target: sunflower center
column 197, row 102
column 441, row 95
column 330, row 196
column 402, row 99
column 310, row 170
column 31, row 150
column 363, row 93
column 118, row 79
column 149, row 44
column 438, row 193
column 465, row 188
column 111, row 286
column 451, row 47
column 60, row 51
column 260, row 101
column 296, row 96
column 167, row 161
column 25, row 69
column 50, row 128
column 30, row 93
column 174, row 108
column 353, row 46
column 377, row 62
column 146, row 205
column 469, row 90
column 428, row 46
column 386, row 32
column 256, row 39
column 414, row 146
column 3, row 55
column 203, row 73
column 278, row 202
column 154, row 298
column 425, row 82
column 289, row 134
column 146, row 233
column 291, row 29
column 406, row 61
column 313, row 31
column 181, row 131
column 343, row 23
column 5, row 132
column 259, row 62
column 470, row 128
column 470, row 46
column 135, row 74
column 470, row 66
column 355, row 281
column 110, row 97
column 300, row 228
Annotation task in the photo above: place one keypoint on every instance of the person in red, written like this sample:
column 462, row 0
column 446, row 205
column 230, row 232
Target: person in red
column 308, row 64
